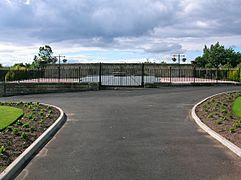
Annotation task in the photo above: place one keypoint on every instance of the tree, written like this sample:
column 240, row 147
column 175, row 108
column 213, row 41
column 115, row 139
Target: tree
column 45, row 56
column 217, row 56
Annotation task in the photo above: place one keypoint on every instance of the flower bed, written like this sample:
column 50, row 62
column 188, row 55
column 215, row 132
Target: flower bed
column 17, row 137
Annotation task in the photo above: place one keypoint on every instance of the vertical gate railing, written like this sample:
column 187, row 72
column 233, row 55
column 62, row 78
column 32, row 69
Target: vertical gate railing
column 122, row 74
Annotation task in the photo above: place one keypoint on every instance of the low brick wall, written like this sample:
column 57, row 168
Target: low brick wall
column 37, row 88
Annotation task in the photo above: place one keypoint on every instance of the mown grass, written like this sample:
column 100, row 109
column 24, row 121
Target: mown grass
column 236, row 108
column 9, row 115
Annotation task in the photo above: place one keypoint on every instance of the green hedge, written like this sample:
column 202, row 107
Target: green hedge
column 16, row 75
column 234, row 75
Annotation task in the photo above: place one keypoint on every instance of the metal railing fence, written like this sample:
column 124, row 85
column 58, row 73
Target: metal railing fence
column 126, row 74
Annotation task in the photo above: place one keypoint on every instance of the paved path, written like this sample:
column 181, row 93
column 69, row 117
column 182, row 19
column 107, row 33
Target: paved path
column 131, row 134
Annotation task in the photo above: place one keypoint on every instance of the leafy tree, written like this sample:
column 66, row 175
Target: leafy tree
column 217, row 56
column 45, row 56
column 200, row 61
column 21, row 66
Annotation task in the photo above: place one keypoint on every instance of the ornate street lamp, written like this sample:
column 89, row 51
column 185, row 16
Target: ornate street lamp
column 64, row 60
column 178, row 58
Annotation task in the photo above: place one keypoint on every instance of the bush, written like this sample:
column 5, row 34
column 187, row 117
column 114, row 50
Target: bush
column 16, row 75
column 233, row 75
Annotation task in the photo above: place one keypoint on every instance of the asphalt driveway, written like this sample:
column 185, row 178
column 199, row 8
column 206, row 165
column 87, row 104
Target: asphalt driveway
column 131, row 134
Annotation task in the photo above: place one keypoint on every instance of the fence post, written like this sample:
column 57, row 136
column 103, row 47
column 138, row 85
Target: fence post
column 38, row 74
column 142, row 74
column 194, row 74
column 79, row 74
column 59, row 73
column 238, row 74
column 42, row 74
column 217, row 75
column 100, row 74
column 170, row 69
column 4, row 85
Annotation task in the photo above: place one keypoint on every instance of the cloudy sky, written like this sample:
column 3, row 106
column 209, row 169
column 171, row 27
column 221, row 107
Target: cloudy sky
column 116, row 30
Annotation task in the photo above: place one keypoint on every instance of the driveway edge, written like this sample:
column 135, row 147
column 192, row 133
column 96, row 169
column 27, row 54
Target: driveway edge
column 15, row 167
column 211, row 132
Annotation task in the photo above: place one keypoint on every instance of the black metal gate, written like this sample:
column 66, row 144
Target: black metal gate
column 121, row 75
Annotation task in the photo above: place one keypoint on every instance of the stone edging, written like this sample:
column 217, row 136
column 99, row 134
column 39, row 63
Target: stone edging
column 11, row 171
column 212, row 133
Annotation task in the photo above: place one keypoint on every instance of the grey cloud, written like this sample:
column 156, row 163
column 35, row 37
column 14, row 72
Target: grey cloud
column 59, row 20
column 164, row 47
column 99, row 23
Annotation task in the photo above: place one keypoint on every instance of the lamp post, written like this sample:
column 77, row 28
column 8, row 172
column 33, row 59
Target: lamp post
column 64, row 60
column 178, row 57
column 194, row 63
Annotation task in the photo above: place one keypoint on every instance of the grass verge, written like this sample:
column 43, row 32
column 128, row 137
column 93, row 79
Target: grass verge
column 237, row 107
column 9, row 115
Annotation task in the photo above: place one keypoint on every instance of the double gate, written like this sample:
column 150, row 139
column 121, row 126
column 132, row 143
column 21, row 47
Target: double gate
column 124, row 75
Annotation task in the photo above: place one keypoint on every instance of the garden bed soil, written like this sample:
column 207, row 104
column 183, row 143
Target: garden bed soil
column 217, row 114
column 20, row 135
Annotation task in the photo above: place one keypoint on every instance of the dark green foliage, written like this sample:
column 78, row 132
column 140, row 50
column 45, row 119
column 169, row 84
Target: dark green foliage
column 26, row 125
column 217, row 56
column 19, row 123
column 16, row 75
column 210, row 115
column 30, row 116
column 18, row 72
column 24, row 136
column 15, row 131
column 32, row 129
column 231, row 130
column 236, row 125
column 41, row 113
column 234, row 75
column 45, row 56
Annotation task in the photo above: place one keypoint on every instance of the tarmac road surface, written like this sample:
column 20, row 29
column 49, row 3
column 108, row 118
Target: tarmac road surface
column 131, row 134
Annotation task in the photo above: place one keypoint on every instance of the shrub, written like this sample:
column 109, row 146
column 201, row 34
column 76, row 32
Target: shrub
column 2, row 149
column 30, row 116
column 19, row 123
column 10, row 76
column 24, row 136
column 232, row 130
column 16, row 75
column 233, row 75
column 236, row 125
column 15, row 131
column 26, row 125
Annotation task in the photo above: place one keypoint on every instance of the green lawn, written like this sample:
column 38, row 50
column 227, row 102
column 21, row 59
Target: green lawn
column 237, row 107
column 8, row 115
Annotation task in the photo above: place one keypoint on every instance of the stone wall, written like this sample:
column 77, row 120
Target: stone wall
column 37, row 88
column 1, row 89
